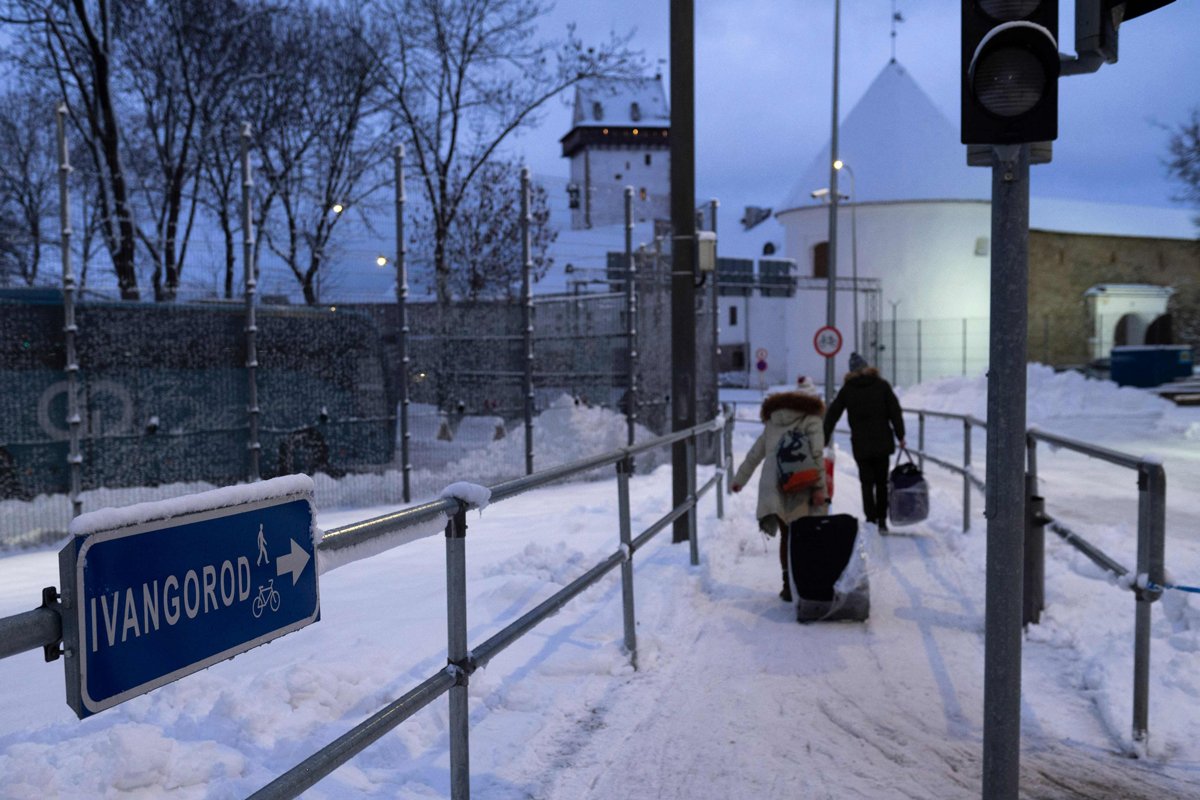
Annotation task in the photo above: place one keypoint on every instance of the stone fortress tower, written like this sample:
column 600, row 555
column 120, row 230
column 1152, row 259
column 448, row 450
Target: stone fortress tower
column 620, row 136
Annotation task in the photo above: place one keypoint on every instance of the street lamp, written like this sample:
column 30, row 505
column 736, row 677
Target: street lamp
column 839, row 165
column 831, row 291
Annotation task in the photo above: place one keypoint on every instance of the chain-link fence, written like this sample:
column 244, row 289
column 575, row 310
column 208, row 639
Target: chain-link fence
column 164, row 393
column 914, row 350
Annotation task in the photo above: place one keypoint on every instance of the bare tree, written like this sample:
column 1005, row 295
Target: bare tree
column 27, row 179
column 463, row 76
column 484, row 242
column 1184, row 162
column 72, row 44
column 320, row 152
column 182, row 61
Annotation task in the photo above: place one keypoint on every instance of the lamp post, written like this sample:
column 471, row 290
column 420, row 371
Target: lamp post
column 831, row 291
column 839, row 165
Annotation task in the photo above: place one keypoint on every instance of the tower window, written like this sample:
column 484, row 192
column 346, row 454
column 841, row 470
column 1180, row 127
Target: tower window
column 647, row 159
column 732, row 316
column 642, row 193
column 597, row 110
column 635, row 113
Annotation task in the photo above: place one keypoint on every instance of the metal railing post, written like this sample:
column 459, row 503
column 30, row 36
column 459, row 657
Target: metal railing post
column 527, row 306
column 1034, row 600
column 1033, row 583
column 729, row 448
column 921, row 439
column 719, row 433
column 624, row 468
column 1152, row 488
column 919, row 351
column 456, row 653
column 966, row 475
column 690, row 456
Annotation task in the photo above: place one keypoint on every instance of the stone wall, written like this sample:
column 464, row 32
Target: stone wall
column 1062, row 266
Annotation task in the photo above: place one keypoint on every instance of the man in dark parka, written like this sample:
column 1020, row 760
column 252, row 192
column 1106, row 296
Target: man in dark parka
column 875, row 425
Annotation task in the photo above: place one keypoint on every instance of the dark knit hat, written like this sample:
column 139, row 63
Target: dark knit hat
column 857, row 362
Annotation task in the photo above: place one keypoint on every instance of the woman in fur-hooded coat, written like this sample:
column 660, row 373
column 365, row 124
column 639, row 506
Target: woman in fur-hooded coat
column 781, row 412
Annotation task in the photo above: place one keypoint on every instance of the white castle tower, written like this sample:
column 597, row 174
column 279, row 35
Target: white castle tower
column 620, row 136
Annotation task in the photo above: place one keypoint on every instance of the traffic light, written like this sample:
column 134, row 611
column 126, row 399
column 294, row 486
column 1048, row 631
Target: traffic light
column 1010, row 68
column 1096, row 25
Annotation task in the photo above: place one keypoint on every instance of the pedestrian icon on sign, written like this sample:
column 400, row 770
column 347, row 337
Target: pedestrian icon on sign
column 262, row 548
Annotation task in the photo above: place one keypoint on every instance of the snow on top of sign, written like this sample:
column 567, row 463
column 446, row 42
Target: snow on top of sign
column 105, row 519
column 471, row 493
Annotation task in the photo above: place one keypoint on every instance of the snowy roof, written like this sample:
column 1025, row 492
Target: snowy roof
column 621, row 103
column 899, row 146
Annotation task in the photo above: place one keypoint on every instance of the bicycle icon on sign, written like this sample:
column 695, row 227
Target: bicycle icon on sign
column 267, row 596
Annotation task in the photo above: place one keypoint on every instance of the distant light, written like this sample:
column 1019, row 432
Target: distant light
column 381, row 261
column 333, row 308
column 604, row 131
column 635, row 131
column 338, row 208
column 838, row 164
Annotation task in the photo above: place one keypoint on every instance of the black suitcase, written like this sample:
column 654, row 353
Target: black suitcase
column 820, row 550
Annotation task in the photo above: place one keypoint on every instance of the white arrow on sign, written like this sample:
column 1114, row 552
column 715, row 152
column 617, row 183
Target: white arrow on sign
column 294, row 562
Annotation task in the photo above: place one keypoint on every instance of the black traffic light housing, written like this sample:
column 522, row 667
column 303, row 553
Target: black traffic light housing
column 1096, row 26
column 1010, row 69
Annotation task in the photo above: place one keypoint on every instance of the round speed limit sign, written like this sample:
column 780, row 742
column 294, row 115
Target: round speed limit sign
column 828, row 341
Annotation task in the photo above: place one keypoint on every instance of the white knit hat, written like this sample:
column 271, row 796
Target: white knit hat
column 805, row 384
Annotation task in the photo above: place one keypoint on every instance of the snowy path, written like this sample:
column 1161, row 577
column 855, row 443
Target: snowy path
column 759, row 706
column 733, row 699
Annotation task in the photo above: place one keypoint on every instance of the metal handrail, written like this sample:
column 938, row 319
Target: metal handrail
column 463, row 662
column 1151, row 533
column 42, row 627
column 1151, row 521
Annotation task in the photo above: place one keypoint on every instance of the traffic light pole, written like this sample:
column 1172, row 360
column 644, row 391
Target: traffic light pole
column 683, row 252
column 1005, row 498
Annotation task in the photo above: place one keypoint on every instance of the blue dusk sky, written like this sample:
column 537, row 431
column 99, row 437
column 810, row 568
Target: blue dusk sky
column 764, row 85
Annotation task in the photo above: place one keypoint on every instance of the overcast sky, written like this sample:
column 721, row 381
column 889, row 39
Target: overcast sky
column 764, row 84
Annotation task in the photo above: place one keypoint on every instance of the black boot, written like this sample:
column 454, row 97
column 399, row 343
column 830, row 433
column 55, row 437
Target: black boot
column 786, row 593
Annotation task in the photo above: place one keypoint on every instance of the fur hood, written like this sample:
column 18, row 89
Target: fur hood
column 795, row 401
column 865, row 372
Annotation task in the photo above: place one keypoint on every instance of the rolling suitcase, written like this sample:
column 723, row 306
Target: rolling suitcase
column 827, row 569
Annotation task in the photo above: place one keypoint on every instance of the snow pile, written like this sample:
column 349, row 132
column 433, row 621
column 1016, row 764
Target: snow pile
column 1050, row 396
column 565, row 431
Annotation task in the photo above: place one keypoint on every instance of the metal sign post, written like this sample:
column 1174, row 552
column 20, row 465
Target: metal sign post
column 147, row 603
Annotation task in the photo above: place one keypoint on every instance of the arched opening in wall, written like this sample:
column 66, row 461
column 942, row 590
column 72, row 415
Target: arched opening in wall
column 1159, row 331
column 820, row 260
column 1122, row 331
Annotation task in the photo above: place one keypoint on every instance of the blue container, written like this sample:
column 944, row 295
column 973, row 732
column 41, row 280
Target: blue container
column 1150, row 365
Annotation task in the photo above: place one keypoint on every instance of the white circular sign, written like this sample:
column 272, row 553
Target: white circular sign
column 828, row 341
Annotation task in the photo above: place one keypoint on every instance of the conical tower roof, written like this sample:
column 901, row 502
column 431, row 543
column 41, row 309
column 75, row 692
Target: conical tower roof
column 899, row 147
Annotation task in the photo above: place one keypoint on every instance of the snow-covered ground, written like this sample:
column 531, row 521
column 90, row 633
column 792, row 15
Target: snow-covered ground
column 732, row 698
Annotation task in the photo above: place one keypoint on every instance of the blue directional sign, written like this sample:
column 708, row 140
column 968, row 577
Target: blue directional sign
column 146, row 604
